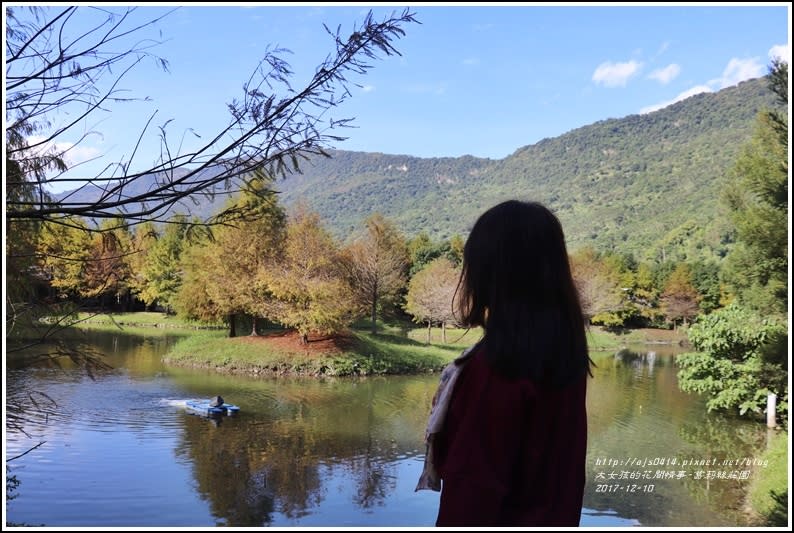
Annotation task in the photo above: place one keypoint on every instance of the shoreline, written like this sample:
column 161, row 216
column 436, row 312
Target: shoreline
column 397, row 348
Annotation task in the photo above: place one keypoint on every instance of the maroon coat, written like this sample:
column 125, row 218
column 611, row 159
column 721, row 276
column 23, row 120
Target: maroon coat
column 512, row 452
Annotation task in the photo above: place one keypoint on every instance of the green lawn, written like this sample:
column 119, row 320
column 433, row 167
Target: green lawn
column 139, row 319
column 398, row 347
column 359, row 353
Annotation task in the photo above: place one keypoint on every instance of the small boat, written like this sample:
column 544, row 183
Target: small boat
column 206, row 408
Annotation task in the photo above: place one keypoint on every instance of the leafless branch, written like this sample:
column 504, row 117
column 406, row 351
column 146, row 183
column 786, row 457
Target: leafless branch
column 272, row 127
column 25, row 452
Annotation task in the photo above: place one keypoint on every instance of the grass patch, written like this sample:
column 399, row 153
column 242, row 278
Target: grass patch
column 75, row 327
column 395, row 354
column 398, row 347
column 601, row 340
column 456, row 337
column 768, row 492
column 139, row 320
column 393, row 350
column 279, row 353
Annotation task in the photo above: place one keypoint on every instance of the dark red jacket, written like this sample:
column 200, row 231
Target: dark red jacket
column 512, row 452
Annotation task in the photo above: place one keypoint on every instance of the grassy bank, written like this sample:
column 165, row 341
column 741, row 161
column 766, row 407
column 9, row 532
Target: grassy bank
column 77, row 325
column 598, row 339
column 601, row 340
column 280, row 353
column 111, row 321
column 393, row 350
column 768, row 492
column 396, row 348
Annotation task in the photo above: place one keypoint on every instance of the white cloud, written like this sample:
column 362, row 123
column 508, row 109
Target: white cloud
column 368, row 88
column 665, row 75
column 471, row 61
column 615, row 74
column 739, row 70
column 683, row 96
column 71, row 154
column 736, row 71
column 781, row 51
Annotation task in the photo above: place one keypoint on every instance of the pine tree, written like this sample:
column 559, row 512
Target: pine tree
column 757, row 267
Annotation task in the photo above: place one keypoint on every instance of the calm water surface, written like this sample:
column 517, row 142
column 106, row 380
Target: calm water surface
column 120, row 450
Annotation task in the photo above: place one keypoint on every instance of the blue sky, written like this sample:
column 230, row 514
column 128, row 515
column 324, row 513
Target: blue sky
column 479, row 80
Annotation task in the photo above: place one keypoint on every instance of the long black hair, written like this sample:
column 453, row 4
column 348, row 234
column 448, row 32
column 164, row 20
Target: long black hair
column 516, row 283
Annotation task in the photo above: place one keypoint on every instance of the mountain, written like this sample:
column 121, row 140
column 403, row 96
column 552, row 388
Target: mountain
column 643, row 184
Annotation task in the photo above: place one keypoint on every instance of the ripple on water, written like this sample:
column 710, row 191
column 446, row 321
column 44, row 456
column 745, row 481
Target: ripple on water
column 110, row 404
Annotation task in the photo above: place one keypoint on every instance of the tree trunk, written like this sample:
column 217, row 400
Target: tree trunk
column 444, row 332
column 429, row 324
column 253, row 327
column 232, row 332
column 374, row 310
column 304, row 338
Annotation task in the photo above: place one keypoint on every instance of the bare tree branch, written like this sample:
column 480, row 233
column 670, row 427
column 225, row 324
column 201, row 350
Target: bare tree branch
column 272, row 127
column 25, row 452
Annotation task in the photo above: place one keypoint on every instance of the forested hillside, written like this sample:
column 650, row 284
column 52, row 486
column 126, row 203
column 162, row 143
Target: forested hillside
column 643, row 184
column 646, row 184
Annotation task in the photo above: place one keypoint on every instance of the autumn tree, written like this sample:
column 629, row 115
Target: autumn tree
column 227, row 275
column 680, row 299
column 376, row 266
column 23, row 271
column 193, row 300
column 144, row 236
column 80, row 263
column 309, row 285
column 162, row 273
column 65, row 250
column 107, row 268
column 598, row 286
column 644, row 294
column 207, row 293
column 431, row 295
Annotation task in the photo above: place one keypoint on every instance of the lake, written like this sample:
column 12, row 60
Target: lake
column 118, row 448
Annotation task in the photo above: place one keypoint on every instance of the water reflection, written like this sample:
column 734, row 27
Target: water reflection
column 642, row 428
column 334, row 452
column 228, row 476
column 295, row 434
column 642, row 362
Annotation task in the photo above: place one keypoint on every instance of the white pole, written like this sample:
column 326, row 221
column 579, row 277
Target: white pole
column 771, row 401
